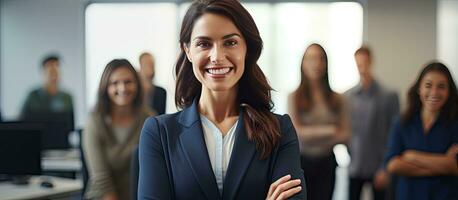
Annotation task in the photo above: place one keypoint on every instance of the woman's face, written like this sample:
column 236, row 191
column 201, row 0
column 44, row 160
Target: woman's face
column 433, row 91
column 217, row 52
column 122, row 87
column 313, row 63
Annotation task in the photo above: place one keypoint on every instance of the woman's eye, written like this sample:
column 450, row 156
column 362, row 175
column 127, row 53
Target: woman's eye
column 230, row 43
column 203, row 44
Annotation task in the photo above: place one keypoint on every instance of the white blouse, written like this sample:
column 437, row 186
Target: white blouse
column 219, row 148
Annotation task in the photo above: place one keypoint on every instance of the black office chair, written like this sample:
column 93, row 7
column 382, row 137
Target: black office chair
column 84, row 171
column 134, row 171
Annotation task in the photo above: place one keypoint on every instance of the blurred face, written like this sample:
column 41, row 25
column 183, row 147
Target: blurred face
column 122, row 87
column 217, row 52
column 313, row 63
column 433, row 91
column 363, row 62
column 51, row 72
column 147, row 66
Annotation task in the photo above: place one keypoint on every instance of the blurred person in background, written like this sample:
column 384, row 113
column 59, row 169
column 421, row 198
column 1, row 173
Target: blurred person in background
column 49, row 98
column 155, row 96
column 372, row 111
column 112, row 132
column 321, row 119
column 423, row 143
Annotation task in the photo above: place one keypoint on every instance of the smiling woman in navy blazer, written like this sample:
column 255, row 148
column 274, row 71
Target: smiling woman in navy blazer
column 225, row 143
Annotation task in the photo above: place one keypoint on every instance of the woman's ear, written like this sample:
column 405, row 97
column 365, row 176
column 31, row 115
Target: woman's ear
column 186, row 50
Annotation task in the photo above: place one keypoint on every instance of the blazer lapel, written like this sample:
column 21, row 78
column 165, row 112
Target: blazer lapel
column 242, row 155
column 193, row 145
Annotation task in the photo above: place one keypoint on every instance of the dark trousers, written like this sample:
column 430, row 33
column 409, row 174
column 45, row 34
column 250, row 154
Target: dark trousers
column 356, row 185
column 320, row 176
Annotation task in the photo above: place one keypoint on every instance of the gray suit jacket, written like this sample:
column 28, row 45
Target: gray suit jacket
column 368, row 141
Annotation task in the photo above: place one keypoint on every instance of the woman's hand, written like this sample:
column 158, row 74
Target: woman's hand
column 410, row 155
column 453, row 150
column 110, row 196
column 381, row 179
column 284, row 188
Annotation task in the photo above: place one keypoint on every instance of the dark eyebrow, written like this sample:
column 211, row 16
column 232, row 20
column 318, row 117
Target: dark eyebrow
column 231, row 35
column 202, row 38
column 224, row 37
column 443, row 83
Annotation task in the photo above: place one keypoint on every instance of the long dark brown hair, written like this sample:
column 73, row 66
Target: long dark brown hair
column 302, row 95
column 449, row 110
column 253, row 89
column 103, row 106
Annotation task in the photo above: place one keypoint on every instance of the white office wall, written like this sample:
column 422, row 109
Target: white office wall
column 30, row 29
column 447, row 34
column 402, row 35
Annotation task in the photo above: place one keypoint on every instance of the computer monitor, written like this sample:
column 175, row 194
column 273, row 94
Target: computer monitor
column 57, row 127
column 20, row 149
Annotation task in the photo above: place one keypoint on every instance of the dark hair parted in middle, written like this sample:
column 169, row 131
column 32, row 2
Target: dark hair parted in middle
column 449, row 110
column 103, row 105
column 302, row 95
column 253, row 89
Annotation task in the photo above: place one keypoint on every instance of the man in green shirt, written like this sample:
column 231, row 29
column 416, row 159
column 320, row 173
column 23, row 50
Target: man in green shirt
column 48, row 99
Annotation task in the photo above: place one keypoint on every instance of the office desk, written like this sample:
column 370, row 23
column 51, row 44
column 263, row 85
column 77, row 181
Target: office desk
column 62, row 163
column 63, row 189
column 61, row 160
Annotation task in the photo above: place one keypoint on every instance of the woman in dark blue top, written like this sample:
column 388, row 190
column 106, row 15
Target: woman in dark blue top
column 219, row 83
column 423, row 143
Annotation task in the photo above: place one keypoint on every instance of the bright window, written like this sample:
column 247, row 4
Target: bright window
column 125, row 30
column 447, row 30
column 288, row 28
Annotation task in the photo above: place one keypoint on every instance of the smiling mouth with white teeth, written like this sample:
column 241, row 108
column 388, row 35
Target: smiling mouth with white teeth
column 122, row 95
column 434, row 100
column 219, row 71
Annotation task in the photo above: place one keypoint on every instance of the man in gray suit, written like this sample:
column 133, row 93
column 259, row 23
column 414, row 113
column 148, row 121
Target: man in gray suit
column 372, row 109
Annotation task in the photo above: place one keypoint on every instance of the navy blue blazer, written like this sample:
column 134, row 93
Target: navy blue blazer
column 174, row 162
